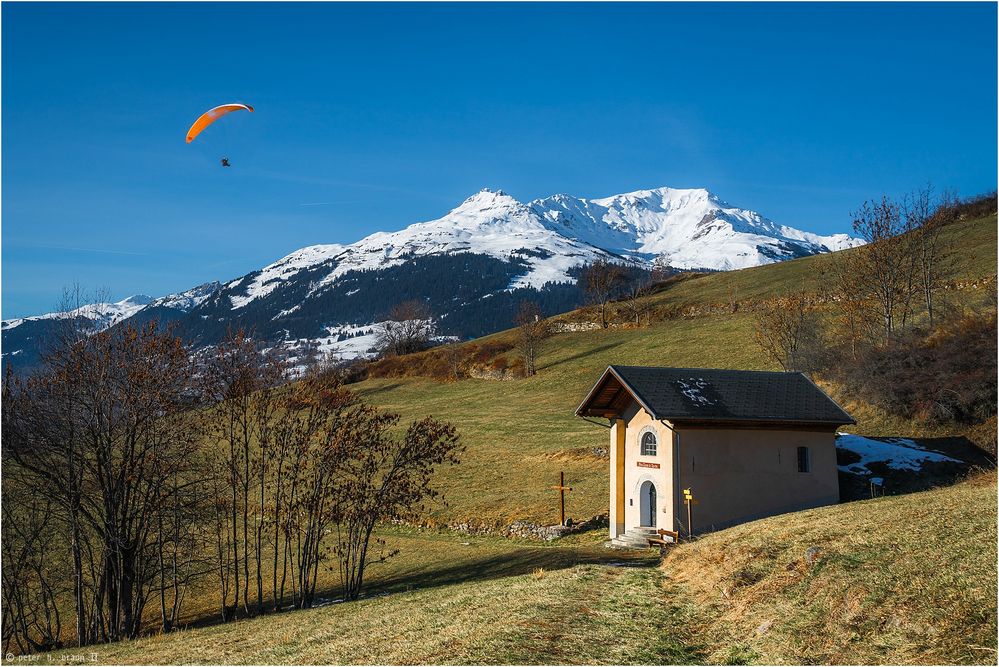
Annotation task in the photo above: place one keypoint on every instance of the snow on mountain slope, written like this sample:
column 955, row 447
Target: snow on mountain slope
column 185, row 301
column 693, row 228
column 487, row 248
column 489, row 223
column 104, row 315
column 272, row 275
column 833, row 242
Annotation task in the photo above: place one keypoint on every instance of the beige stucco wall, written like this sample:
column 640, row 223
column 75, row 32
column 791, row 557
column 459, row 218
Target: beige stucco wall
column 738, row 475
column 735, row 475
column 634, row 475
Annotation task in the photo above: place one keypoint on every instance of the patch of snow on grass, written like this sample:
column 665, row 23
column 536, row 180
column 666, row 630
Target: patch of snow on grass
column 896, row 453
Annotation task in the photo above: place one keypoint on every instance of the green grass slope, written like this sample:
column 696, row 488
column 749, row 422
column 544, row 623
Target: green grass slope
column 899, row 580
column 580, row 615
column 521, row 433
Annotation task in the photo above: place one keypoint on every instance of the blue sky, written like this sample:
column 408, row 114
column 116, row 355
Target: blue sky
column 371, row 117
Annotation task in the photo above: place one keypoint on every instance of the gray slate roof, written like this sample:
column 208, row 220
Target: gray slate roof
column 704, row 394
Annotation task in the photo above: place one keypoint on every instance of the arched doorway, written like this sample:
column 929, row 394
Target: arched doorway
column 647, row 504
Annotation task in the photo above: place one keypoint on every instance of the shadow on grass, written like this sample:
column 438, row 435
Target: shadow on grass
column 378, row 390
column 581, row 355
column 464, row 568
column 498, row 566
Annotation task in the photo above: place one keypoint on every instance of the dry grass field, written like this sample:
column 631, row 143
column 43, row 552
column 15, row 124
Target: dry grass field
column 905, row 579
column 898, row 580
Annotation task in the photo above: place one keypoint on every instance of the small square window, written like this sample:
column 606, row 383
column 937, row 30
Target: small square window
column 804, row 460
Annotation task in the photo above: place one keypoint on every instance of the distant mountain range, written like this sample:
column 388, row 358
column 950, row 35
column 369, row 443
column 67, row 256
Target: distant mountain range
column 473, row 266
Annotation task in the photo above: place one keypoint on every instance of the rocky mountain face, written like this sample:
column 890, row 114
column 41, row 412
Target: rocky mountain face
column 473, row 265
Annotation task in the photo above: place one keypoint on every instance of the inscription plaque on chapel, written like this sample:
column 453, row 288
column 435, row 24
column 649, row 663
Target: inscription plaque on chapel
column 646, row 464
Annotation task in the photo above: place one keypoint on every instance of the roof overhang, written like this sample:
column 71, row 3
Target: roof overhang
column 608, row 397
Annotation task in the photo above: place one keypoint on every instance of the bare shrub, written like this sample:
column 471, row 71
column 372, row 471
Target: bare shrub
column 409, row 328
column 786, row 330
column 947, row 375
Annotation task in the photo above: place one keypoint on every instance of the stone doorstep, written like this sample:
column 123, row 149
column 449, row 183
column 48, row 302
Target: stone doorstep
column 634, row 538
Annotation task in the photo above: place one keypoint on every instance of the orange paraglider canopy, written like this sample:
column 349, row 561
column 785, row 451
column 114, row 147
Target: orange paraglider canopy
column 211, row 116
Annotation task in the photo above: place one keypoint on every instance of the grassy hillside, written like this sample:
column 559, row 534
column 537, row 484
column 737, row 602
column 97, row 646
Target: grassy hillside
column 521, row 433
column 404, row 559
column 898, row 580
column 972, row 256
column 489, row 599
column 904, row 580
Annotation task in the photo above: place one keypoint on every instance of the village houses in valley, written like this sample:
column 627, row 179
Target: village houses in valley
column 744, row 444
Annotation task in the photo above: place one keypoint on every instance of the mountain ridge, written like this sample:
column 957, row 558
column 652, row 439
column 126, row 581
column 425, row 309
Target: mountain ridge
column 490, row 246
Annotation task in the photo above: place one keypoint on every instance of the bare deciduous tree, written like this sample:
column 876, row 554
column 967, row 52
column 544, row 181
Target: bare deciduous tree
column 230, row 379
column 927, row 220
column 885, row 265
column 385, row 477
column 661, row 269
column 636, row 287
column 239, row 381
column 783, row 326
column 453, row 357
column 854, row 319
column 409, row 328
column 601, row 282
column 100, row 433
column 532, row 331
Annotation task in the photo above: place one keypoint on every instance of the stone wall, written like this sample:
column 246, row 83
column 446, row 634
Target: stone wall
column 529, row 530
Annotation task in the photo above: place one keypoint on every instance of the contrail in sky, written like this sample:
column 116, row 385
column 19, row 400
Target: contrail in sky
column 100, row 250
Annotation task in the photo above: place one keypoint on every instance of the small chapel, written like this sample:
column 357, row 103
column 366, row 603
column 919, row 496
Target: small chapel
column 696, row 449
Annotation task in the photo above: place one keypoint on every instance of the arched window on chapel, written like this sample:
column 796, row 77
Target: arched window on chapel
column 648, row 444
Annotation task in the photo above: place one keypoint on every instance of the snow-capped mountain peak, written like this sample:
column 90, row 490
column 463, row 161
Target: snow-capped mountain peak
column 692, row 226
column 484, row 207
column 471, row 263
